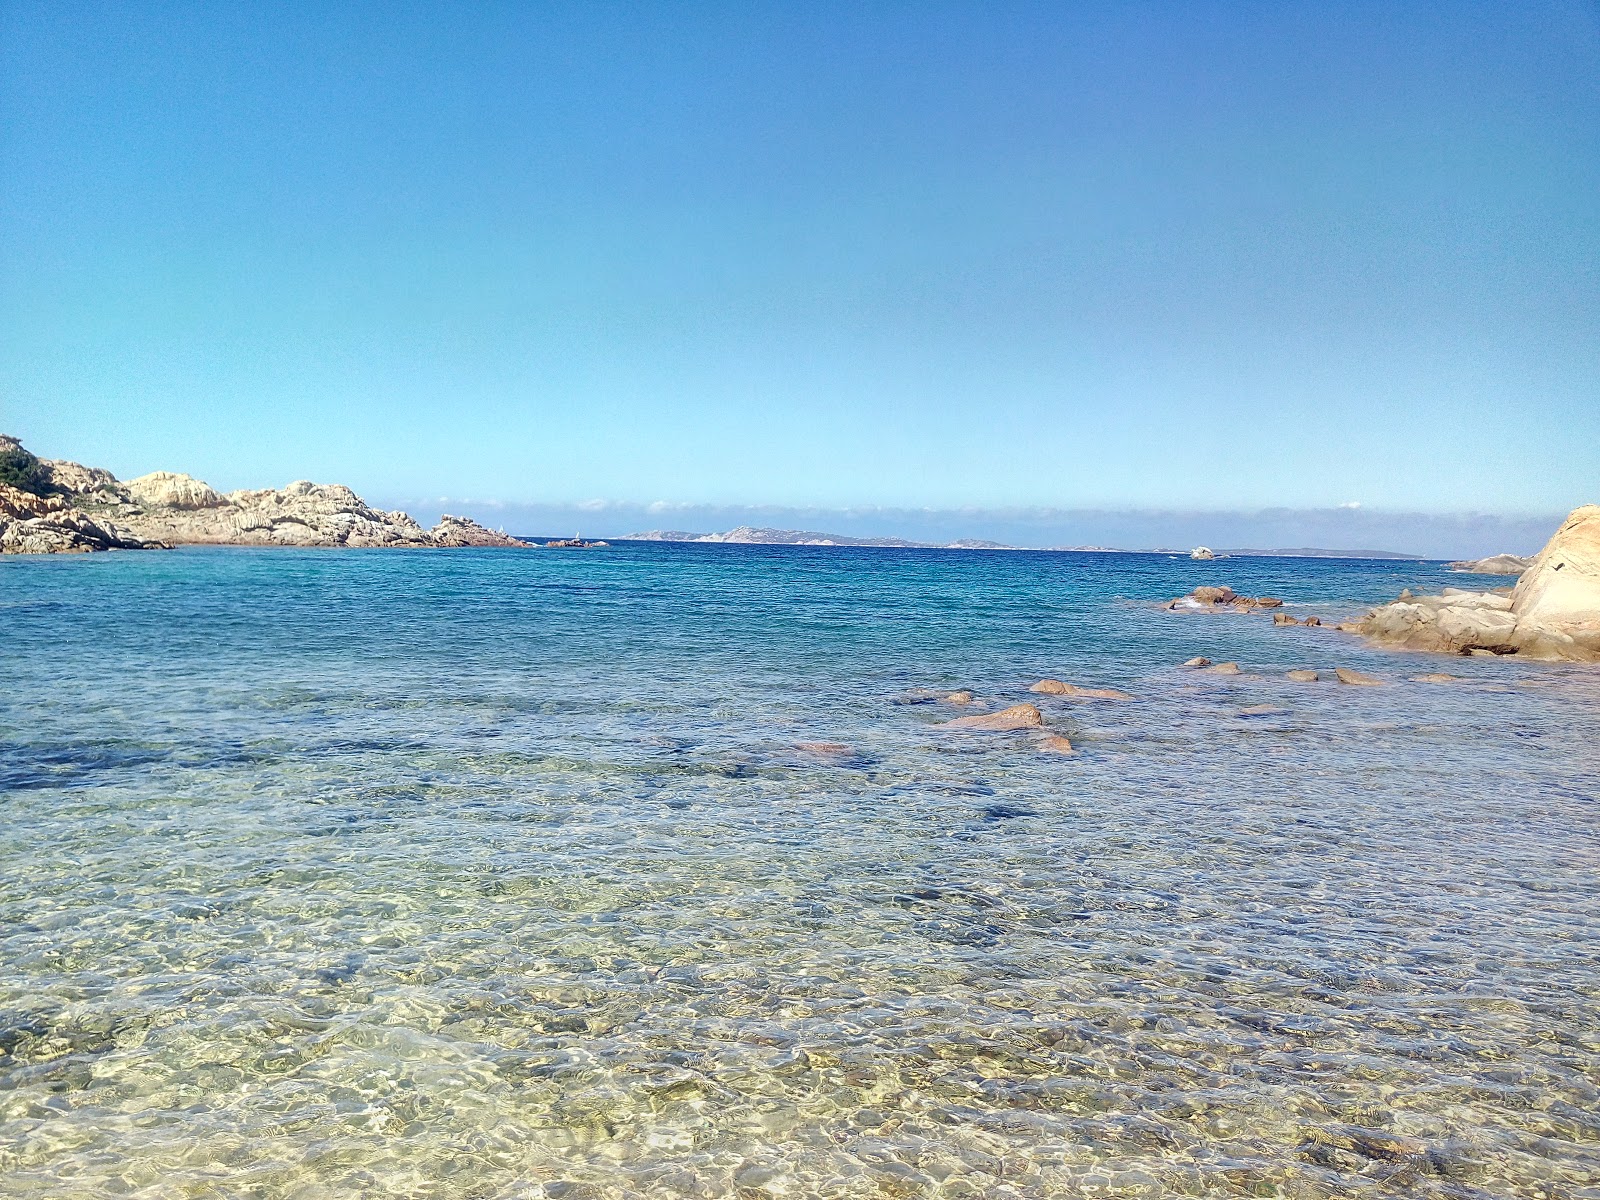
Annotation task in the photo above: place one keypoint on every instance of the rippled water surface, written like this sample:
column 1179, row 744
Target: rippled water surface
column 514, row 874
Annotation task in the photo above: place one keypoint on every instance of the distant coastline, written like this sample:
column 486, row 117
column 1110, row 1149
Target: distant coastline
column 749, row 535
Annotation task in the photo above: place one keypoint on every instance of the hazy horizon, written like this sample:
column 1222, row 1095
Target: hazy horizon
column 1426, row 535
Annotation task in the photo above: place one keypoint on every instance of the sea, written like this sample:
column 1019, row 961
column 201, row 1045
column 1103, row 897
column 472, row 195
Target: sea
column 650, row 871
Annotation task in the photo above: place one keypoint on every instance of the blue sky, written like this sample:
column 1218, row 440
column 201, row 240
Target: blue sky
column 884, row 256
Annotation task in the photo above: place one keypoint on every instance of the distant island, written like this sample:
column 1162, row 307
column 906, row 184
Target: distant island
column 750, row 535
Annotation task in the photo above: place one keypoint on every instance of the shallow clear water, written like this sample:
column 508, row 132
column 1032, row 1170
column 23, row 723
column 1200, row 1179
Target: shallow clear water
column 501, row 874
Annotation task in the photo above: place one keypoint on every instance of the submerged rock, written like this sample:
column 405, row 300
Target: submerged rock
column 1283, row 619
column 961, row 697
column 1018, row 716
column 1054, row 687
column 1198, row 661
column 1553, row 613
column 1227, row 668
column 1055, row 743
column 826, row 749
column 1302, row 676
column 1436, row 677
column 1357, row 678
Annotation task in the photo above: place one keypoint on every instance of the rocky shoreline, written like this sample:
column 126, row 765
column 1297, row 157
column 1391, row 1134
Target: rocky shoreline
column 1553, row 613
column 51, row 506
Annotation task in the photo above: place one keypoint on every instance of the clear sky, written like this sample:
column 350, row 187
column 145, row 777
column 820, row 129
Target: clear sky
column 1185, row 255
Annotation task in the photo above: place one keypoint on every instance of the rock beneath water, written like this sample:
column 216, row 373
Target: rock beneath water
column 1304, row 676
column 1283, row 619
column 1198, row 662
column 1553, row 613
column 1054, row 743
column 1496, row 564
column 1202, row 554
column 1436, row 677
column 826, row 749
column 1227, row 668
column 1357, row 678
column 1018, row 716
column 1269, row 602
column 1054, row 687
column 1312, row 621
column 1262, row 710
column 961, row 697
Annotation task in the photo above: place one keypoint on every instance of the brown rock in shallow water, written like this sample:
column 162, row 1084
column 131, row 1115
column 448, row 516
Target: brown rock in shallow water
column 1056, row 744
column 1213, row 595
column 1018, row 716
column 1312, row 621
column 1357, row 678
column 827, row 749
column 1054, row 687
column 1436, row 677
column 1304, row 676
column 1227, row 668
column 1283, row 619
column 961, row 697
column 1269, row 602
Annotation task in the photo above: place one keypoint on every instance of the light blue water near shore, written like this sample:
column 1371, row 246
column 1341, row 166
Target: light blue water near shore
column 503, row 874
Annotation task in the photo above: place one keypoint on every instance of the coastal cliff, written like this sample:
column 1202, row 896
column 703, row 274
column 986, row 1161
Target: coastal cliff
column 53, row 506
column 1552, row 613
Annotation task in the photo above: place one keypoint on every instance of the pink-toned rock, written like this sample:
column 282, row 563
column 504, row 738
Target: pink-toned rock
column 1054, row 687
column 1018, row 716
column 826, row 749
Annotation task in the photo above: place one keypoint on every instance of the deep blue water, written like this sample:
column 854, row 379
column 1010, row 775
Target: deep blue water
column 629, row 872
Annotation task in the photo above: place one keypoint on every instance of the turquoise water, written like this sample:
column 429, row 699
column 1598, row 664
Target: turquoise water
column 505, row 874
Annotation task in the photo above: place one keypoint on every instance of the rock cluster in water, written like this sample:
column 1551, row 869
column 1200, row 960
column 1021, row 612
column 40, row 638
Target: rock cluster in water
column 49, row 506
column 1553, row 613
column 1495, row 564
column 1221, row 599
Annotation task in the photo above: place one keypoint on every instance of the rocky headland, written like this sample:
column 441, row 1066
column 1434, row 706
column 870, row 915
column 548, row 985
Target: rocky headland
column 1552, row 613
column 53, row 506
